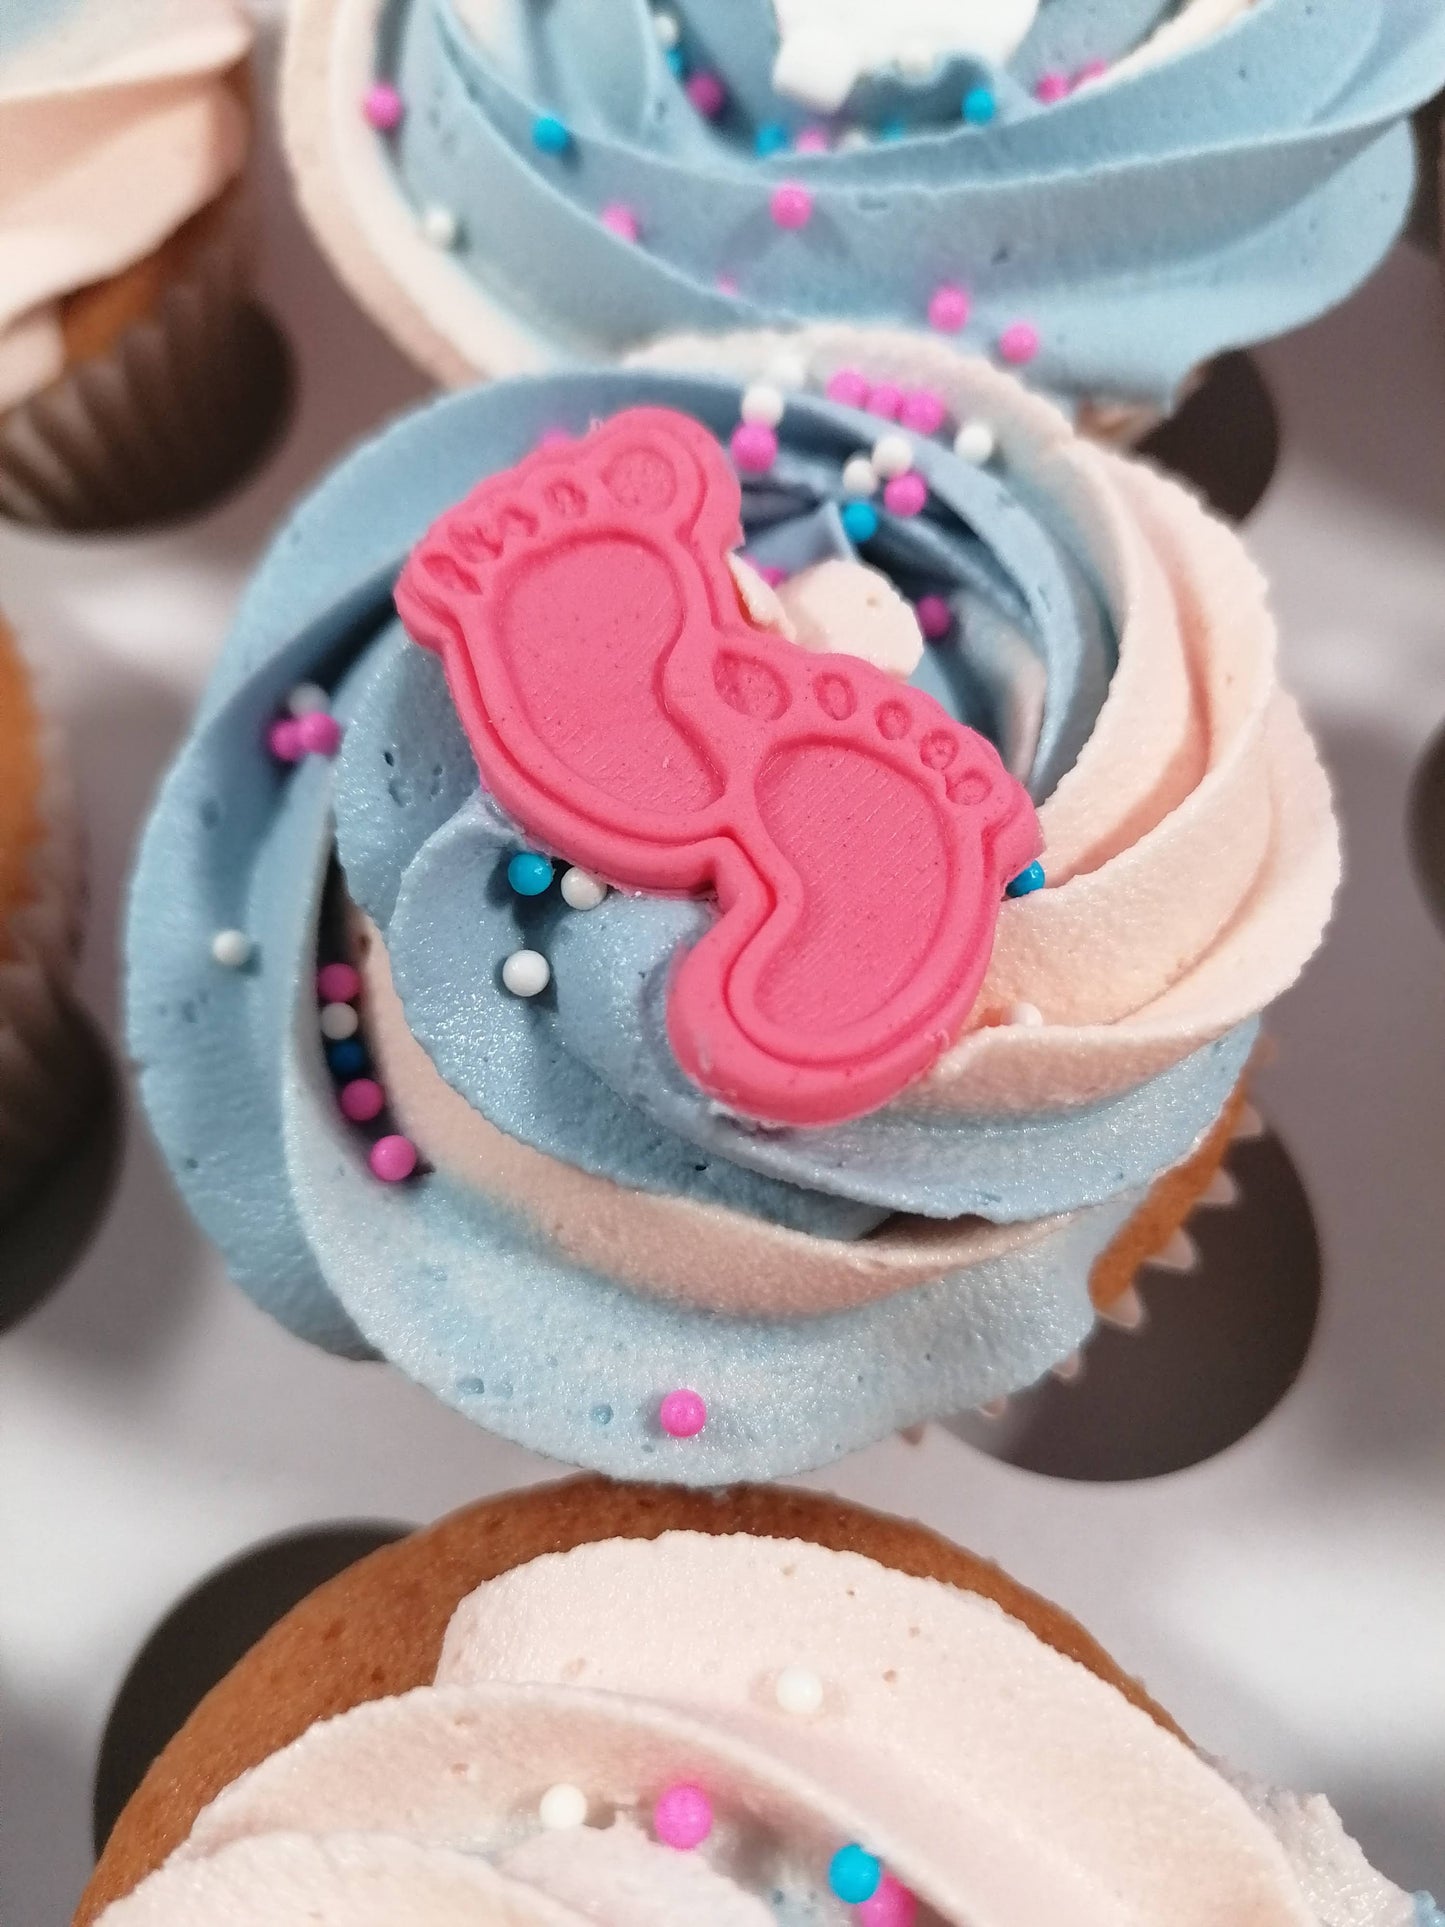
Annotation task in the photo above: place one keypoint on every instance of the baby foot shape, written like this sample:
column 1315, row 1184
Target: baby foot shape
column 624, row 711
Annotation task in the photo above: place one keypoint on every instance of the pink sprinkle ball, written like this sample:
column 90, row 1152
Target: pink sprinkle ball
column 361, row 1100
column 619, row 219
column 382, row 107
column 812, row 140
column 707, row 94
column 772, row 574
column 923, row 411
column 554, row 438
column 935, row 618
column 849, row 387
column 754, row 447
column 682, row 1817
column 905, row 494
column 885, row 399
column 392, row 1159
column 682, row 1414
column 318, row 734
column 338, row 983
column 949, row 309
column 1052, row 87
column 1091, row 70
column 283, row 739
column 1019, row 343
column 893, row 1905
column 791, row 205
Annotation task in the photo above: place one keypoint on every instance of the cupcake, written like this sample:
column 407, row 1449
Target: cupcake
column 592, row 1702
column 45, row 1065
column 769, row 978
column 1104, row 196
column 135, row 381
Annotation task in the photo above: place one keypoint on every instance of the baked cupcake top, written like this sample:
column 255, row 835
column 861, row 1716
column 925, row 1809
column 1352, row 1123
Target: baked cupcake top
column 900, row 1111
column 860, row 1744
column 1105, row 193
column 117, row 124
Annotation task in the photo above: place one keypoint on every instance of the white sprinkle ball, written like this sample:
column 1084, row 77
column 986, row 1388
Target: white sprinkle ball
column 788, row 369
column 763, row 403
column 860, row 478
column 799, row 1691
column 308, row 699
column 561, row 1807
column 975, row 442
column 338, row 1022
column 668, row 32
column 232, row 948
column 581, row 890
column 526, row 973
column 892, row 456
column 440, row 226
column 1028, row 1015
column 853, row 139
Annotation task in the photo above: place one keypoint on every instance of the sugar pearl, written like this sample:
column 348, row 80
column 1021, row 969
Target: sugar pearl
column 526, row 973
column 707, row 94
column 440, row 226
column 318, row 733
column 935, row 618
column 791, row 205
column 787, row 370
column 949, row 309
column 392, row 1159
column 1026, row 1016
column 550, row 135
column 905, row 495
column 854, row 1874
column 283, row 739
column 338, row 983
column 892, row 1906
column 980, row 104
column 682, row 1414
column 754, row 447
column 885, row 398
column 581, row 890
column 338, row 1021
column 562, row 1807
column 232, row 949
column 975, row 442
column 860, row 521
column 529, row 873
column 621, row 220
column 306, row 698
column 382, row 107
column 1019, row 343
column 812, row 140
column 798, row 1691
column 361, row 1100
column 892, row 455
column 1052, row 87
column 682, row 1817
column 860, row 478
column 923, row 411
column 847, row 386
column 667, row 30
column 763, row 403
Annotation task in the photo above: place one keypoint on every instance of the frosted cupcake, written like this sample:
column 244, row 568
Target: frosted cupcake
column 649, row 1707
column 134, row 380
column 952, row 858
column 1105, row 195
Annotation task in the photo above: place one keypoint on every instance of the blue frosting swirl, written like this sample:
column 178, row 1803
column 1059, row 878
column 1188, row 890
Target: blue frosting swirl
column 1141, row 225
column 449, row 1282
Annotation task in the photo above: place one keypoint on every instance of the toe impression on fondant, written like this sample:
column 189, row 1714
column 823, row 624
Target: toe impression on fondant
column 629, row 717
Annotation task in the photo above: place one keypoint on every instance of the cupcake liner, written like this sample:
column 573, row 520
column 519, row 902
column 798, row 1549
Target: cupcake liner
column 166, row 419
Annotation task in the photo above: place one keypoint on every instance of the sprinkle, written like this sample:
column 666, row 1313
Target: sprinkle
column 923, row 410
column 895, row 129
column 949, row 308
column 763, row 403
column 860, row 478
column 318, row 734
column 707, row 94
column 854, row 1874
column 788, row 370
column 529, row 873
column 361, row 1100
column 307, row 697
column 440, row 226
column 1051, row 87
column 975, row 442
column 798, row 1691
column 621, row 220
column 727, row 284
column 1025, row 1016
column 754, row 447
column 860, row 521
column 791, row 205
column 682, row 1817
column 338, row 1022
column 1091, row 70
column 382, row 107
column 581, row 890
column 905, row 495
column 1027, row 881
column 892, row 455
column 813, row 140
column 231, row 949
column 847, row 386
column 894, row 1905
column 346, row 1059
column 772, row 574
column 682, row 1414
column 551, row 135
column 338, row 983
column 562, row 1807
column 526, row 973
column 935, row 618
column 554, row 438
column 667, row 29
column 1019, row 343
column 979, row 106
column 885, row 398
column 676, row 62
column 392, row 1159
column 771, row 138
column 283, row 739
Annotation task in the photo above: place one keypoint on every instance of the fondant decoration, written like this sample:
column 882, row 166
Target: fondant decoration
column 827, row 46
column 623, row 711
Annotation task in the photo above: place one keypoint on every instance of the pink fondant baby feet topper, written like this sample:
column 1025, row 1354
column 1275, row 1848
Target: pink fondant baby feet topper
column 625, row 712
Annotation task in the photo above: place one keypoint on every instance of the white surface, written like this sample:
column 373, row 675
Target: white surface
column 1285, row 1600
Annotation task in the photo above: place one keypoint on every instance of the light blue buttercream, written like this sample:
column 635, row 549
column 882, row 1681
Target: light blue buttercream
column 448, row 1283
column 1208, row 201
